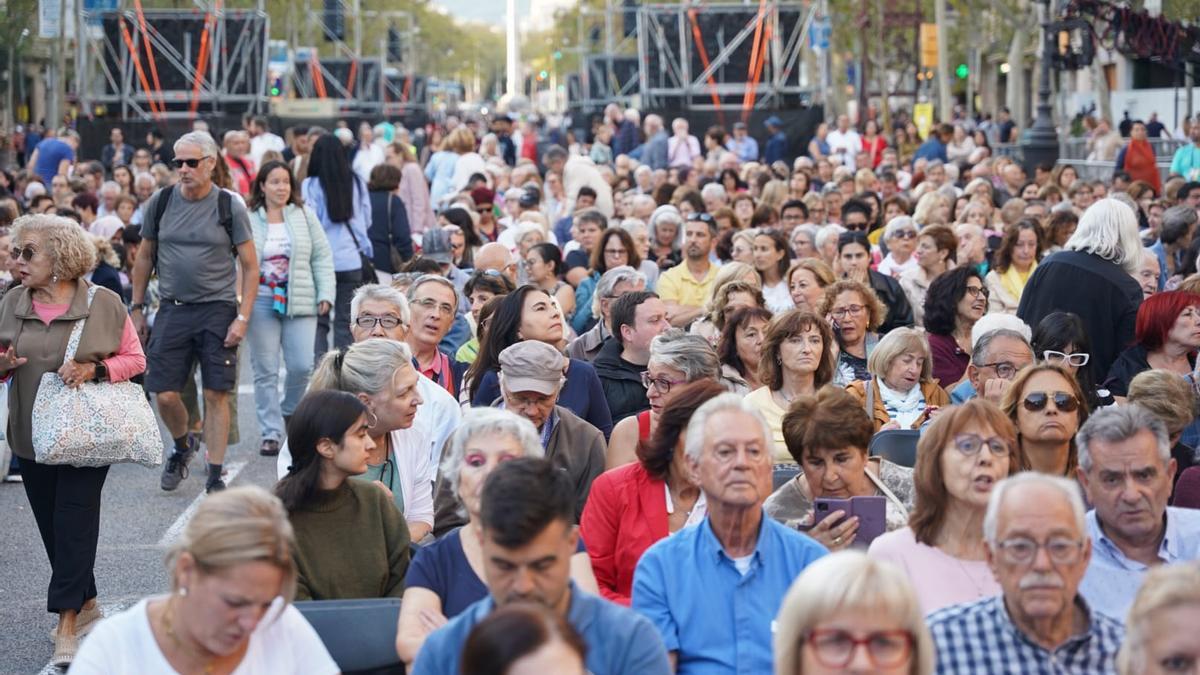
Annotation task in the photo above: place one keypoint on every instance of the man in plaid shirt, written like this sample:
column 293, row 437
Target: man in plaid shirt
column 1038, row 548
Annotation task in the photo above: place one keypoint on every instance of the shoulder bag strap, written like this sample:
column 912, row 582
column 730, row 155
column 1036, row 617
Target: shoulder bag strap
column 869, row 386
column 77, row 330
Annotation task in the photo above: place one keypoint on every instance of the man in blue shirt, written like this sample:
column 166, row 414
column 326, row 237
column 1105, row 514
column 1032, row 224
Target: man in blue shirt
column 1126, row 469
column 528, row 537
column 935, row 146
column 54, row 156
column 718, row 616
column 777, row 143
column 742, row 143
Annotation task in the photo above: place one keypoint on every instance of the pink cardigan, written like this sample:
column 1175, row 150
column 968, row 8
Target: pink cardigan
column 414, row 193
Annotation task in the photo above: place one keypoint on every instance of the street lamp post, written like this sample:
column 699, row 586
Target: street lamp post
column 1039, row 143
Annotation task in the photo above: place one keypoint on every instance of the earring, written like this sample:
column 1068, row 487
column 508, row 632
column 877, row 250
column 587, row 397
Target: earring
column 372, row 419
column 54, row 279
column 183, row 591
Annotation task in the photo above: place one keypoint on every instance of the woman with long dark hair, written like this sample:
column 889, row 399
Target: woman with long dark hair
column 296, row 285
column 955, row 301
column 351, row 541
column 341, row 202
column 1060, row 339
column 529, row 313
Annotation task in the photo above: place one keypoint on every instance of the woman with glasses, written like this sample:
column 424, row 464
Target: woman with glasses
column 955, row 301
column 936, row 252
column 296, row 284
column 529, row 313
column 1047, row 406
column 647, row 499
column 854, row 315
column 1059, row 339
column 900, row 235
column 676, row 358
column 1166, row 337
column 614, row 250
column 848, row 613
column 962, row 455
column 740, row 348
column 1015, row 262
column 901, row 393
column 351, row 540
column 772, row 256
column 797, row 359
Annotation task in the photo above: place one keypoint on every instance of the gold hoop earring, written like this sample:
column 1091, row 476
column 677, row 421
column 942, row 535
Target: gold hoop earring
column 372, row 419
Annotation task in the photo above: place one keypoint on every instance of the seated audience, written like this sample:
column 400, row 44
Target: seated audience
column 613, row 284
column 351, row 541
column 637, row 318
column 1059, row 339
column 736, row 559
column 1171, row 399
column 1014, row 262
column 845, row 600
column 827, row 434
column 1038, row 548
column 936, row 252
column 626, row 511
column 740, row 348
column 997, row 354
column 855, row 315
column 1154, row 644
column 854, row 259
column 901, row 393
column 807, row 280
column 727, row 299
column 524, row 638
column 1046, row 405
column 1166, row 338
column 955, row 301
column 963, row 454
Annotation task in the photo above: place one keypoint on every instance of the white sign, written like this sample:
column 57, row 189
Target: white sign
column 50, row 18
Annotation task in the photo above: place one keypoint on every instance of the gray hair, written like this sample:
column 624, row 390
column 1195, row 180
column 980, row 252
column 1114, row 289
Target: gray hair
column 997, row 320
column 488, row 422
column 634, row 225
column 1108, row 229
column 367, row 367
column 983, row 344
column 199, row 139
column 666, row 214
column 1119, row 423
column 145, row 176
column 690, row 354
column 694, row 443
column 610, row 279
column 897, row 224
column 435, row 279
column 110, row 186
column 381, row 293
column 1176, row 221
column 713, row 191
column 1068, row 488
column 832, row 230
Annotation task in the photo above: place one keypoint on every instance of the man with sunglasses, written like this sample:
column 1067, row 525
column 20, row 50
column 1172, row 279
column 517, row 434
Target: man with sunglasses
column 1038, row 547
column 199, row 317
column 1126, row 469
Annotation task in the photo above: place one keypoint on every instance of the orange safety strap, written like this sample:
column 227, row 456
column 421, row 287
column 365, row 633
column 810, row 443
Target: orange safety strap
column 318, row 77
column 137, row 65
column 754, row 49
column 407, row 86
column 351, row 80
column 141, row 16
column 712, row 83
column 752, row 91
column 201, row 60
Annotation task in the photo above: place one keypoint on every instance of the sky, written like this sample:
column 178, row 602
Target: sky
column 492, row 11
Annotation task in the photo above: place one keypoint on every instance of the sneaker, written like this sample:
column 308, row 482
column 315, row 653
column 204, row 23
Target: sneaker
column 214, row 485
column 270, row 448
column 176, row 468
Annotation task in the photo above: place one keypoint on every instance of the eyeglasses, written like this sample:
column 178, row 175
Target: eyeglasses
column 1064, row 402
column 905, row 234
column 179, row 163
column 1076, row 360
column 26, row 253
column 1004, row 369
column 429, row 304
column 841, row 312
column 661, row 383
column 971, row 444
column 976, row 291
column 614, row 251
column 835, row 648
column 369, row 322
column 1022, row 550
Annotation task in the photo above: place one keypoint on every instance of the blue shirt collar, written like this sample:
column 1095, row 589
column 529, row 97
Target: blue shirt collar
column 1168, row 548
column 713, row 548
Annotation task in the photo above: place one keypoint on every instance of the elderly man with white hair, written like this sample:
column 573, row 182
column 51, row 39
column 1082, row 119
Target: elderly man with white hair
column 1093, row 276
column 1038, row 548
column 1001, row 345
column 718, row 616
column 109, row 191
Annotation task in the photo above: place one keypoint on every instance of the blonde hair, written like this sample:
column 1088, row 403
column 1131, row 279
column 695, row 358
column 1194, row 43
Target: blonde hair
column 237, row 526
column 461, row 141
column 1164, row 588
column 68, row 244
column 925, row 208
column 849, row 580
column 727, row 273
column 1167, row 396
column 900, row 341
column 367, row 367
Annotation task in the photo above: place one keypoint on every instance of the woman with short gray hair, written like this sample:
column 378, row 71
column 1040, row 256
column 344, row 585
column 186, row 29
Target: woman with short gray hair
column 901, row 238
column 443, row 578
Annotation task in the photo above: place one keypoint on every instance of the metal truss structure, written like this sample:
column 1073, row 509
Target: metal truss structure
column 720, row 56
column 170, row 64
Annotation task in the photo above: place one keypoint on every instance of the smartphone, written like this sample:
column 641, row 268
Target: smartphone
column 871, row 513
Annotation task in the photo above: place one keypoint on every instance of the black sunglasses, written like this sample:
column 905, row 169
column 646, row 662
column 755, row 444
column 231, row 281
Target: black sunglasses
column 190, row 163
column 25, row 253
column 1064, row 402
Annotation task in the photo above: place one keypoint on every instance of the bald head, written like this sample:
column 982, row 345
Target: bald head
column 496, row 256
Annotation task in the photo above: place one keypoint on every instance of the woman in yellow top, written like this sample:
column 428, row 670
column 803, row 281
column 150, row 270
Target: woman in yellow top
column 1016, row 260
column 797, row 359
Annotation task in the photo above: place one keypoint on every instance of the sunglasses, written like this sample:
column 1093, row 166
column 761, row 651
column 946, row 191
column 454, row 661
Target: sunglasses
column 1064, row 402
column 1076, row 360
column 905, row 234
column 25, row 253
column 179, row 163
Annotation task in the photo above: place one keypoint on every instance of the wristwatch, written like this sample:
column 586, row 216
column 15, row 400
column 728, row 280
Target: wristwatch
column 101, row 373
column 242, row 319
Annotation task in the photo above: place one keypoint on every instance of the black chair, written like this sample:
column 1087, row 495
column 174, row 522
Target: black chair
column 783, row 475
column 898, row 446
column 359, row 634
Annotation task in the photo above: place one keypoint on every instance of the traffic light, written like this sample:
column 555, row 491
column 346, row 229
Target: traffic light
column 962, row 71
column 276, row 88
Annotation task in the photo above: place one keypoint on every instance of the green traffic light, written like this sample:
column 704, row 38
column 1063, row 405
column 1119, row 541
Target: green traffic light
column 962, row 71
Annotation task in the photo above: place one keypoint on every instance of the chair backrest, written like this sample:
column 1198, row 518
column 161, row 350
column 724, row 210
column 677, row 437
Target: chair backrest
column 783, row 475
column 898, row 446
column 1187, row 490
column 359, row 634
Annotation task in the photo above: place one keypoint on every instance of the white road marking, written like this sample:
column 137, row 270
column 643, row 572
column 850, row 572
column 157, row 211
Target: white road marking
column 176, row 527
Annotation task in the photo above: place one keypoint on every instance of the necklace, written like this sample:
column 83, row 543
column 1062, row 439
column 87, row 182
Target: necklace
column 979, row 591
column 169, row 628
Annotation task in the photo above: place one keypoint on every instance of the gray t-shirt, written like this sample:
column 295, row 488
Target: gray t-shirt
column 195, row 263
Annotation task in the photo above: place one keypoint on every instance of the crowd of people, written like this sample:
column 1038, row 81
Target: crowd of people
column 626, row 400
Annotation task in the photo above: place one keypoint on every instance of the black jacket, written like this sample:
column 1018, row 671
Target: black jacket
column 1104, row 296
column 621, row 380
column 385, row 233
column 891, row 294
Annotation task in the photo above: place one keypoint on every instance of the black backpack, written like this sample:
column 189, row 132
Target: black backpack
column 224, row 217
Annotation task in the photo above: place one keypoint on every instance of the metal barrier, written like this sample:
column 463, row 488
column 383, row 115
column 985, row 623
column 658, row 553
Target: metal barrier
column 1076, row 147
column 1092, row 169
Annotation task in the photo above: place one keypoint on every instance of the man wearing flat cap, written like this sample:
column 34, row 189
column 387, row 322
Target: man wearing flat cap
column 531, row 377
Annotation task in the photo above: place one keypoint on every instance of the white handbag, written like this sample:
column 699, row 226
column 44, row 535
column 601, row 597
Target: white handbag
column 96, row 424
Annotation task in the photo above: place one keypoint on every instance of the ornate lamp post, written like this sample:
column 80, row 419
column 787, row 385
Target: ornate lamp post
column 1039, row 143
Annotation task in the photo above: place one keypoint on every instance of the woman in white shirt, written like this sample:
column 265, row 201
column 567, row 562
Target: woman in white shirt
column 772, row 258
column 232, row 578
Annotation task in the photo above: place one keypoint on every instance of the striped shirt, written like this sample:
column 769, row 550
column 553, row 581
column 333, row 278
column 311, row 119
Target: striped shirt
column 980, row 637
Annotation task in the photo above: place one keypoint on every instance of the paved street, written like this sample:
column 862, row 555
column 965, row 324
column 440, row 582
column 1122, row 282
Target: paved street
column 138, row 521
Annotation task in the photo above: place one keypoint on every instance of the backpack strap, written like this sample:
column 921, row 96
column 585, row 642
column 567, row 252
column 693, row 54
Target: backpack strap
column 225, row 217
column 160, row 208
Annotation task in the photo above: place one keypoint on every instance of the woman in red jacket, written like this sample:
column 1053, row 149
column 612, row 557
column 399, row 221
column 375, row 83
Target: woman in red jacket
column 635, row 505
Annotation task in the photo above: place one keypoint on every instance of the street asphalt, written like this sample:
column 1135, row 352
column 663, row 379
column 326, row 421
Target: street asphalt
column 138, row 520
